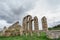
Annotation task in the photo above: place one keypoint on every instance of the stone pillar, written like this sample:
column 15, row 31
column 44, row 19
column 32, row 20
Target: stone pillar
column 30, row 25
column 23, row 25
column 26, row 26
column 36, row 25
column 44, row 24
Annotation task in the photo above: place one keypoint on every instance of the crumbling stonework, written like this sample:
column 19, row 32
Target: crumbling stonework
column 7, row 33
column 21, row 31
column 4, row 29
column 23, row 25
column 44, row 24
column 1, row 33
column 36, row 24
column 26, row 28
column 53, row 34
column 27, row 24
column 13, row 30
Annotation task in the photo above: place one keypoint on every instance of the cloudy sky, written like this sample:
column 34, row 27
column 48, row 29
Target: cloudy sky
column 14, row 10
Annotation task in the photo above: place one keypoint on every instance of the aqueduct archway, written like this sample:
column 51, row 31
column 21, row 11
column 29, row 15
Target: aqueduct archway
column 27, row 24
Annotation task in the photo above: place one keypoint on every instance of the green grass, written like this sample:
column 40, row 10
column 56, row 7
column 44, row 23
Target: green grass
column 24, row 37
column 54, row 28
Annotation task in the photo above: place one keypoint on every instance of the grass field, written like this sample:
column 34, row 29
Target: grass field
column 34, row 37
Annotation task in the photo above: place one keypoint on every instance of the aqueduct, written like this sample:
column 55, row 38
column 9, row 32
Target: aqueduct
column 27, row 24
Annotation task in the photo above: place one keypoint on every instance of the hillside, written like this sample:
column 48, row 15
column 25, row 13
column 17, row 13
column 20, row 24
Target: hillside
column 57, row 27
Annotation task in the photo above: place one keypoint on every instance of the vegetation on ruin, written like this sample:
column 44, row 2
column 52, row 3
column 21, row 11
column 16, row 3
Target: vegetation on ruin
column 24, row 37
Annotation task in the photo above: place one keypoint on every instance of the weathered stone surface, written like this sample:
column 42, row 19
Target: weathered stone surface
column 36, row 24
column 13, row 30
column 30, row 24
column 26, row 28
column 23, row 25
column 1, row 33
column 21, row 31
column 27, row 24
column 53, row 34
column 7, row 33
column 4, row 29
column 44, row 24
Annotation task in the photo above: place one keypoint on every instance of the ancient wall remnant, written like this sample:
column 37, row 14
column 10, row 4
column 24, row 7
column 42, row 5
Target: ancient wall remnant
column 4, row 29
column 53, row 34
column 14, row 29
column 27, row 26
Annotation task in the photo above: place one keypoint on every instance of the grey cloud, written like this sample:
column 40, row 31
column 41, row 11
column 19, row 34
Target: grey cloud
column 12, row 10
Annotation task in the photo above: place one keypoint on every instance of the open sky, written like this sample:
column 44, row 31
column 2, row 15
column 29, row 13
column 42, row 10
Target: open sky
column 14, row 10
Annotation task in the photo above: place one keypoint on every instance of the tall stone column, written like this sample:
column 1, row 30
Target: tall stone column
column 44, row 24
column 36, row 25
column 30, row 25
column 23, row 25
column 26, row 28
